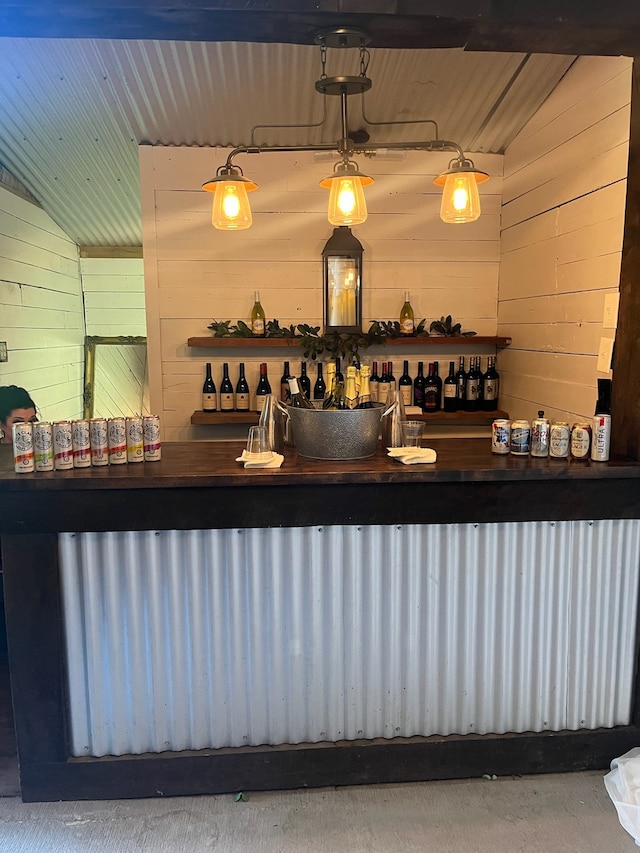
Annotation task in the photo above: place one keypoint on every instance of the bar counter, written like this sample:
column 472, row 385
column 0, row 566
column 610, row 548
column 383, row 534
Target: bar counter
column 200, row 487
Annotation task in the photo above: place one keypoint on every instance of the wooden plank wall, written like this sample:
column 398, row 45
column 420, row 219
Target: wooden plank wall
column 194, row 273
column 114, row 296
column 41, row 312
column 561, row 242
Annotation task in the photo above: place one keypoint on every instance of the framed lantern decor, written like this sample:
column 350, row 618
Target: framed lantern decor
column 342, row 282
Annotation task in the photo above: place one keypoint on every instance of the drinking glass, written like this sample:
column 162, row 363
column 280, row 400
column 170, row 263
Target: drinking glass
column 411, row 433
column 257, row 443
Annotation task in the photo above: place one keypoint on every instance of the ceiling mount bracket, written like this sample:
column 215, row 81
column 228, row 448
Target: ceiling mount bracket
column 342, row 37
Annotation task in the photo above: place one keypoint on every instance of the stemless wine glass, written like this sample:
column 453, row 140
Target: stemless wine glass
column 257, row 444
column 411, row 433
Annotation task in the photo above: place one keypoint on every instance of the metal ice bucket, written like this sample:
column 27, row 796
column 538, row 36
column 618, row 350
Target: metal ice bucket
column 340, row 434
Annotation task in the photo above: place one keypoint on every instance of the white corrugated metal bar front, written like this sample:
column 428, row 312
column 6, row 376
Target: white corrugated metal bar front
column 193, row 639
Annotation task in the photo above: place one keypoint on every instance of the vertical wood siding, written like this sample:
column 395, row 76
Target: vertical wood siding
column 561, row 240
column 194, row 639
column 41, row 311
column 114, row 296
column 194, row 273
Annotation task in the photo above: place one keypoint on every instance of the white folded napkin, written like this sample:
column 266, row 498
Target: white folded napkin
column 412, row 455
column 261, row 460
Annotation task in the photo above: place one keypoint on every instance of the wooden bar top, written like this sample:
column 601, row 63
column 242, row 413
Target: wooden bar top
column 199, row 485
column 212, row 464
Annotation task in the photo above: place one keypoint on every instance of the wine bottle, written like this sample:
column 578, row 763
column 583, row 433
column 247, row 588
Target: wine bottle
column 263, row 387
column 350, row 392
column 227, row 402
column 406, row 316
column 285, row 391
column 491, row 386
column 418, row 386
column 471, row 402
column 209, row 394
column 299, row 399
column 331, row 384
column 391, row 377
column 339, row 376
column 436, row 370
column 243, row 402
column 431, row 391
column 374, row 383
column 480, row 381
column 319, row 387
column 383, row 385
column 405, row 384
column 364, row 401
column 304, row 382
column 450, row 399
column 461, row 382
column 257, row 317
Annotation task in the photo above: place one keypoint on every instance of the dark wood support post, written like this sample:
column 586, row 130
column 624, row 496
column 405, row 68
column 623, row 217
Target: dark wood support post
column 625, row 435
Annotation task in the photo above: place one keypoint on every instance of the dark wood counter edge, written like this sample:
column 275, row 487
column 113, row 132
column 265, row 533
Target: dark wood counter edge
column 321, row 765
column 181, row 493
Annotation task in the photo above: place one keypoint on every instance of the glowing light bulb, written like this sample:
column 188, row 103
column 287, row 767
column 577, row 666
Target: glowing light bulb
column 460, row 197
column 231, row 203
column 346, row 198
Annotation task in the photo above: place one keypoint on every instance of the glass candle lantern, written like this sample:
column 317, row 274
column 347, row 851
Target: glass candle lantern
column 342, row 282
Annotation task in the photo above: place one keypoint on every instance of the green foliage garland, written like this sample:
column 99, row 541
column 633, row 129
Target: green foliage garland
column 338, row 344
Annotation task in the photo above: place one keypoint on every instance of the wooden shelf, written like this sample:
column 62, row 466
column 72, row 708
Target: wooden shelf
column 432, row 341
column 201, row 418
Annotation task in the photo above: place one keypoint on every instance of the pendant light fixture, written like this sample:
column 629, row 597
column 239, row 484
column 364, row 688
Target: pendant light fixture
column 231, row 208
column 460, row 197
column 347, row 204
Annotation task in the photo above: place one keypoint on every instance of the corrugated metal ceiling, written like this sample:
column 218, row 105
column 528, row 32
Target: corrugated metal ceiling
column 74, row 111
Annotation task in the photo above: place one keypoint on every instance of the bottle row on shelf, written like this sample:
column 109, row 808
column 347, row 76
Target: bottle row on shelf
column 469, row 390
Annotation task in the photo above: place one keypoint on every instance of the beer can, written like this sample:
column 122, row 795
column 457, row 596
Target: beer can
column 581, row 440
column 520, row 438
column 80, row 443
column 99, row 441
column 601, row 438
column 117, row 438
column 500, row 436
column 43, row 445
column 540, row 432
column 62, row 446
column 151, row 438
column 559, row 441
column 135, row 443
column 22, row 434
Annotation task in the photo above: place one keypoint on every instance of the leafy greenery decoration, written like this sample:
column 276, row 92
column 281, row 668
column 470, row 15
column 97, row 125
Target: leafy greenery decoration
column 338, row 344
column 448, row 329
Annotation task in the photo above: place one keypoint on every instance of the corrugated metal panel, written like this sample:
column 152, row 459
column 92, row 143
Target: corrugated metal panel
column 195, row 639
column 74, row 111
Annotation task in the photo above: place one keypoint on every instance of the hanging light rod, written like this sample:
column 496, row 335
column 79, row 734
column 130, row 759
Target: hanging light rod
column 347, row 205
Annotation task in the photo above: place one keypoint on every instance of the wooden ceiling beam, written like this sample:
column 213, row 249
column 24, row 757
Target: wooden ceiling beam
column 547, row 26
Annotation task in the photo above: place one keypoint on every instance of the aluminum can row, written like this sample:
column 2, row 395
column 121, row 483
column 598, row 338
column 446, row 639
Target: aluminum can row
column 63, row 445
column 557, row 440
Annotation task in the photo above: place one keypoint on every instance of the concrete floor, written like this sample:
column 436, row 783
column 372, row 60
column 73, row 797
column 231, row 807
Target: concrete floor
column 560, row 813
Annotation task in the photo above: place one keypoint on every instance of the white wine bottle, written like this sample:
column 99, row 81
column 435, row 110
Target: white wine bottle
column 299, row 399
column 257, row 317
column 407, row 326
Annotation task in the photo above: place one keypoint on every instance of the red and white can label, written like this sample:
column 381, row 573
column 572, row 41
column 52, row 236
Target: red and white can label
column 23, row 447
column 117, row 436
column 62, row 446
